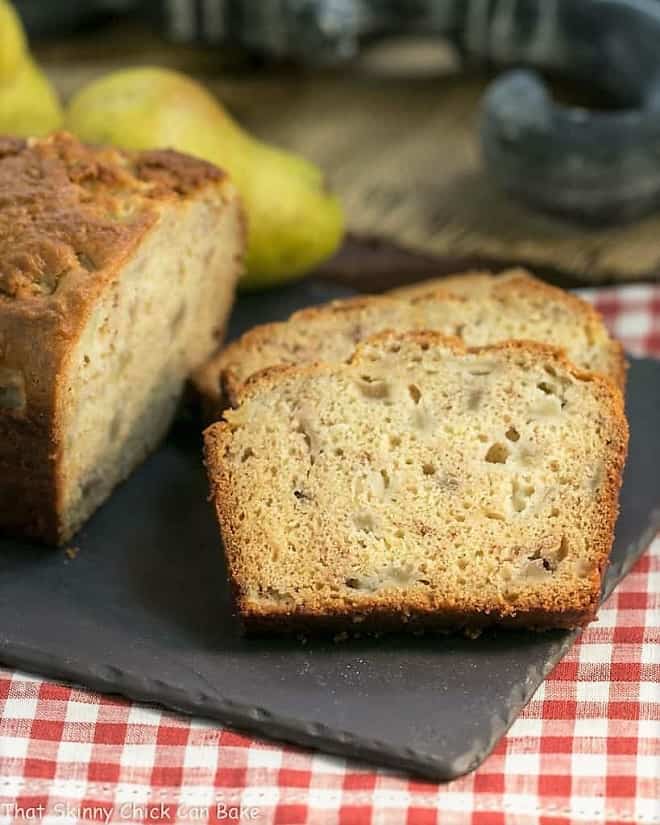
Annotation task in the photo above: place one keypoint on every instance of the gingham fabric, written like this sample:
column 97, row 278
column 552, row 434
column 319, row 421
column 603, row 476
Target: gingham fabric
column 586, row 749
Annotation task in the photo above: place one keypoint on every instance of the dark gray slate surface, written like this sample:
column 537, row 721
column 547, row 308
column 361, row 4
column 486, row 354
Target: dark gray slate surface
column 144, row 610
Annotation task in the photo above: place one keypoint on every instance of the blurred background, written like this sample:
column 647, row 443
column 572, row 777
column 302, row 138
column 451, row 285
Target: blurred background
column 387, row 100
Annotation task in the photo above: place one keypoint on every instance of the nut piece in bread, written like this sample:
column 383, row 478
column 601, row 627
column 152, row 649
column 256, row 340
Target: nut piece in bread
column 422, row 484
column 117, row 272
column 478, row 307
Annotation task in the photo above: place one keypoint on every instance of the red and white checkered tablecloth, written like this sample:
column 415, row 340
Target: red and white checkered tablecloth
column 586, row 749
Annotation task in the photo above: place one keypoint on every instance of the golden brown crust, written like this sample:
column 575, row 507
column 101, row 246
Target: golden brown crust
column 472, row 278
column 379, row 618
column 70, row 216
column 68, row 209
column 384, row 612
column 340, row 306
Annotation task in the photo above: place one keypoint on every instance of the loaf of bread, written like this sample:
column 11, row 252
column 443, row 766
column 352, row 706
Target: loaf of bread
column 117, row 272
column 479, row 308
column 419, row 484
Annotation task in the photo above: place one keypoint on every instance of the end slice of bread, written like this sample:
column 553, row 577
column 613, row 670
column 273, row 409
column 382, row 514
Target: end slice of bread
column 421, row 484
column 117, row 275
column 478, row 308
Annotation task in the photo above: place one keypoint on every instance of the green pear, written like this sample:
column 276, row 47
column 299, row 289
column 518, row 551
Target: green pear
column 294, row 223
column 28, row 103
column 13, row 45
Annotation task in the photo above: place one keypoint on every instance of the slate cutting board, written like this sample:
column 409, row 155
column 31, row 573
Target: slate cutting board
column 144, row 610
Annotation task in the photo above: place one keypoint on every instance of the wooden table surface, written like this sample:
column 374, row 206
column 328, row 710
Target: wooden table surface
column 396, row 133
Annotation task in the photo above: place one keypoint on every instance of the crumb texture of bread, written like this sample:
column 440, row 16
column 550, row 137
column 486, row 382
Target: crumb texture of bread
column 420, row 484
column 117, row 274
column 478, row 308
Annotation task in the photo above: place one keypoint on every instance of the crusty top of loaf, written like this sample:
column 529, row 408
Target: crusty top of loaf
column 70, row 209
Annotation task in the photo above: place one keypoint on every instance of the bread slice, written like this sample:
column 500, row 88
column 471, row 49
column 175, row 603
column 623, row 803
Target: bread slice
column 328, row 333
column 117, row 273
column 420, row 484
column 478, row 307
column 469, row 284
